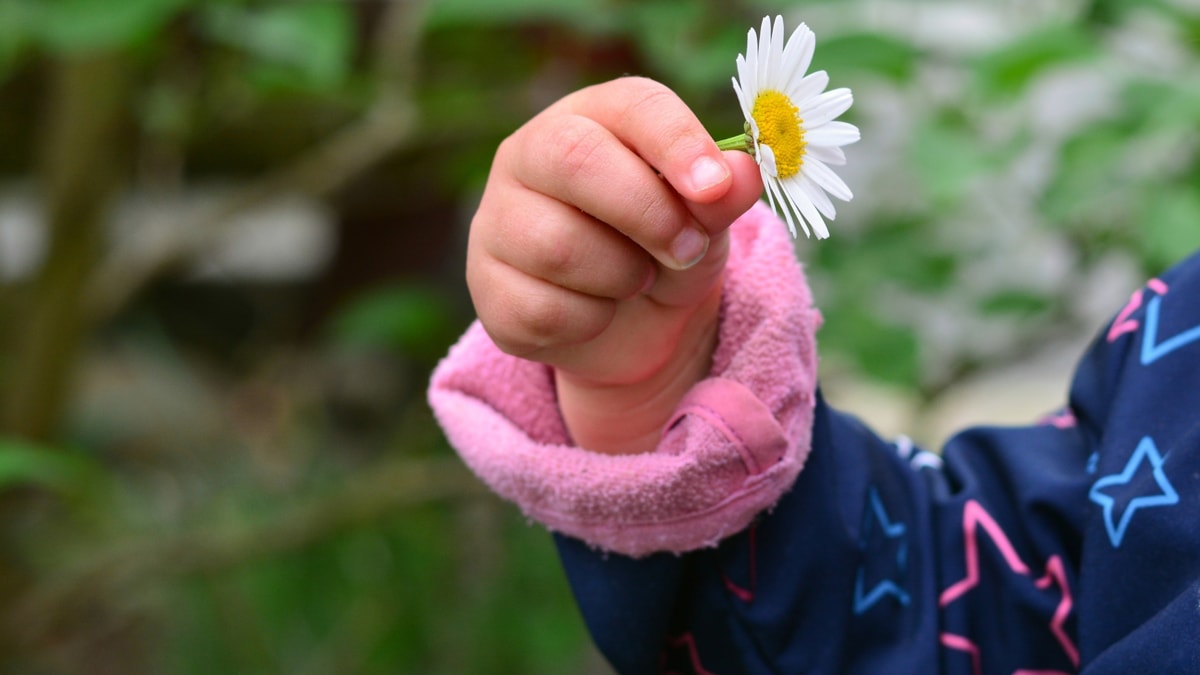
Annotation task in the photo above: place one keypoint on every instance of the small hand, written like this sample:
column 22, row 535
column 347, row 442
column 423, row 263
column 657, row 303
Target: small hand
column 598, row 249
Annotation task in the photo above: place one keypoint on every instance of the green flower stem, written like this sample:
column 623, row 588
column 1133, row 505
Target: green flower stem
column 741, row 142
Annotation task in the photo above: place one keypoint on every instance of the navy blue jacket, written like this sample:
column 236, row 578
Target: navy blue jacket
column 1068, row 546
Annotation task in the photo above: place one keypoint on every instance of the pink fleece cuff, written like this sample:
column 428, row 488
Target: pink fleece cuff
column 736, row 443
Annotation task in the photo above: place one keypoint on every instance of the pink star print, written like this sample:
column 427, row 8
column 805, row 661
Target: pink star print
column 1064, row 419
column 743, row 593
column 687, row 643
column 975, row 517
column 1123, row 324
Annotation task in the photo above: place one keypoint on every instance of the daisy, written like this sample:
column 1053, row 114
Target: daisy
column 790, row 127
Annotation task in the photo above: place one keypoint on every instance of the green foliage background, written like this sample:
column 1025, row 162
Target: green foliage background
column 256, row 485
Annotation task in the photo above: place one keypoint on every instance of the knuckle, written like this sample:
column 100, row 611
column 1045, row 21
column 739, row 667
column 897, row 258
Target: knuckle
column 508, row 146
column 573, row 146
column 546, row 322
column 534, row 323
column 644, row 87
column 653, row 97
column 507, row 343
column 558, row 257
column 524, row 328
column 563, row 320
column 679, row 132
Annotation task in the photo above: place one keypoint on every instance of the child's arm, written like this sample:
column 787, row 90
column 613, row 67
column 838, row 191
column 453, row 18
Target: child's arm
column 1044, row 549
column 1070, row 545
column 728, row 449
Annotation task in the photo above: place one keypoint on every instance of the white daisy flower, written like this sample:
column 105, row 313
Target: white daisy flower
column 790, row 127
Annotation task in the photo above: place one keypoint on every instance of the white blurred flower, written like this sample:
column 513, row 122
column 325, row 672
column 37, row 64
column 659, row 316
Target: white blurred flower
column 790, row 125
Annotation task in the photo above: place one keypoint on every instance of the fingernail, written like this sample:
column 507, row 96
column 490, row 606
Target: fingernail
column 707, row 172
column 689, row 248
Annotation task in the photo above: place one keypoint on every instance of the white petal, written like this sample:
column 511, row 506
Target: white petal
column 831, row 155
column 811, row 85
column 797, row 55
column 832, row 134
column 746, row 67
column 766, row 158
column 826, row 107
column 827, row 179
column 810, row 213
column 743, row 100
column 764, row 52
column 816, row 195
column 777, row 45
column 775, row 196
column 769, row 188
column 791, row 53
column 751, row 72
column 750, row 88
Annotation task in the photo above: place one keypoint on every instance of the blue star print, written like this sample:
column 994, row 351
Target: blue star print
column 1152, row 349
column 877, row 516
column 1146, row 452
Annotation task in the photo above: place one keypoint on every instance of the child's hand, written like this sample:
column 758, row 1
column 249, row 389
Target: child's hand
column 598, row 249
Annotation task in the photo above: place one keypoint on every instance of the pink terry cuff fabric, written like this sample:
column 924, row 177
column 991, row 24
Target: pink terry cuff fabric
column 734, row 446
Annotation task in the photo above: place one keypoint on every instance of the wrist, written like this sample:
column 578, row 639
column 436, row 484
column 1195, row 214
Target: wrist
column 628, row 418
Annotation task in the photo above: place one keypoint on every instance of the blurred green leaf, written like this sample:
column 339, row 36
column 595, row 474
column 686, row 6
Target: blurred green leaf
column 885, row 55
column 884, row 351
column 948, row 156
column 896, row 249
column 23, row 463
column 1169, row 226
column 690, row 52
column 1101, row 184
column 1109, row 12
column 413, row 320
column 1189, row 25
column 591, row 15
column 1018, row 302
column 164, row 109
column 1088, row 186
column 308, row 43
column 16, row 25
column 1008, row 70
column 1162, row 104
column 407, row 595
column 82, row 25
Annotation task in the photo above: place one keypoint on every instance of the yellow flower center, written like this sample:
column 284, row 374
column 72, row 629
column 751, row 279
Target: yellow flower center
column 780, row 127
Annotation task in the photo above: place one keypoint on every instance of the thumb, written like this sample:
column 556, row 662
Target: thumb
column 745, row 189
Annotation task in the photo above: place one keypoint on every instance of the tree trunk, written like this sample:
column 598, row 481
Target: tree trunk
column 81, row 160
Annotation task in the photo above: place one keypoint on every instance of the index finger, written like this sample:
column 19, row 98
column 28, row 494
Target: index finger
column 616, row 151
column 656, row 124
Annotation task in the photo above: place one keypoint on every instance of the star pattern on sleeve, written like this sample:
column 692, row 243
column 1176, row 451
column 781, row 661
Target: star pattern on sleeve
column 680, row 655
column 1152, row 349
column 976, row 519
column 1126, row 486
column 881, row 534
column 745, row 592
column 1063, row 419
column 1123, row 323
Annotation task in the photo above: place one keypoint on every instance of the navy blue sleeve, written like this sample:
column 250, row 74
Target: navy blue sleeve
column 1069, row 546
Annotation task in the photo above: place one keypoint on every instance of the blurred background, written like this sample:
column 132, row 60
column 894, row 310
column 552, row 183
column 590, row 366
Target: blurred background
column 231, row 251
